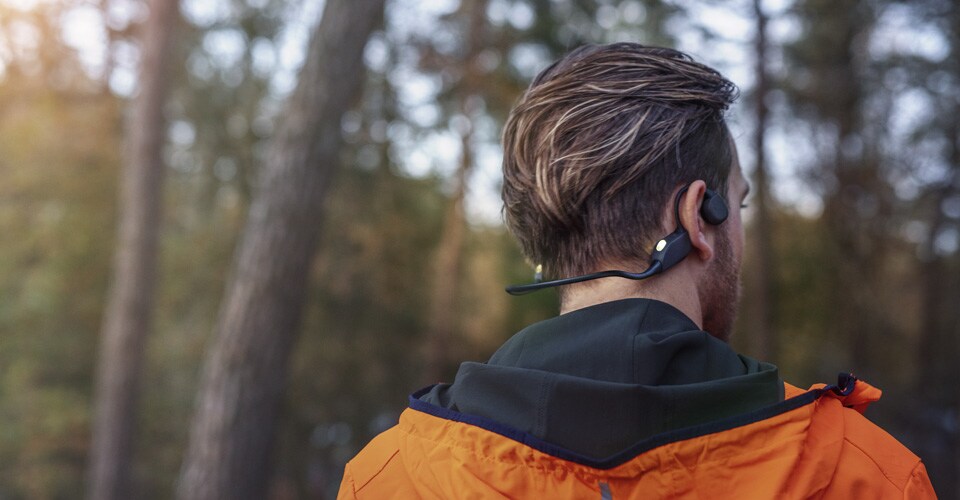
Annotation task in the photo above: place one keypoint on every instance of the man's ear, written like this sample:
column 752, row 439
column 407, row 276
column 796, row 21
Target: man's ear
column 700, row 242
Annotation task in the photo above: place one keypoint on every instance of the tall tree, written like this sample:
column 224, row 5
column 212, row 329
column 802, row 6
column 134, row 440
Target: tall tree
column 938, row 345
column 450, row 251
column 244, row 374
column 761, row 305
column 833, row 93
column 128, row 311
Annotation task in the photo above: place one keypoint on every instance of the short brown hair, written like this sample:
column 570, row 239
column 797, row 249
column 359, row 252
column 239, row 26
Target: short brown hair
column 599, row 142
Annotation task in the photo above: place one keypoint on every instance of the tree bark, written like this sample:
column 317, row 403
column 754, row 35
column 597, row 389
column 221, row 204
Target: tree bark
column 245, row 371
column 128, row 311
column 856, row 252
column 938, row 340
column 444, row 310
column 767, row 345
column 447, row 272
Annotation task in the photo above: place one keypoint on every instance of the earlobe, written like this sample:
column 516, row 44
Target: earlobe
column 701, row 245
column 697, row 205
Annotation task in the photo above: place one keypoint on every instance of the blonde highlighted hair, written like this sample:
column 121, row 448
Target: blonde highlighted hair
column 598, row 143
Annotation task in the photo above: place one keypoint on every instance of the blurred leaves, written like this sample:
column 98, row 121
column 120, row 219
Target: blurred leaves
column 863, row 124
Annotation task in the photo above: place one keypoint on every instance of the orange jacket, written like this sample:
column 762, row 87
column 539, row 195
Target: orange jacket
column 814, row 444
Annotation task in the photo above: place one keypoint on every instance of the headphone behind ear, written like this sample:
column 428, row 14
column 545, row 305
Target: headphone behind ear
column 667, row 252
column 676, row 246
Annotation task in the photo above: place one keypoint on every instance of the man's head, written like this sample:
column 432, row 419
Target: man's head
column 599, row 144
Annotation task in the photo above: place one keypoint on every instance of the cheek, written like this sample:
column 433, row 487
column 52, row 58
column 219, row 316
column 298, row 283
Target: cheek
column 737, row 235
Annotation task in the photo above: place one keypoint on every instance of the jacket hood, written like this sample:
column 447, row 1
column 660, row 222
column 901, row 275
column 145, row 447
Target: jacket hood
column 597, row 380
column 808, row 446
column 629, row 400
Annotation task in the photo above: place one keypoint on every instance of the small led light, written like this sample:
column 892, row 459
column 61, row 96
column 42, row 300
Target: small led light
column 661, row 245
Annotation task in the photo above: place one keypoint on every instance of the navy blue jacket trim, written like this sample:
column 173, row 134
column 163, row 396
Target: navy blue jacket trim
column 638, row 448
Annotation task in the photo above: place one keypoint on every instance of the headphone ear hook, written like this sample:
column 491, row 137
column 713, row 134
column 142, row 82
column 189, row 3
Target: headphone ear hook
column 668, row 251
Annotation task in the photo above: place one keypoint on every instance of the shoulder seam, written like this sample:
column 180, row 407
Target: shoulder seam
column 348, row 477
column 914, row 475
column 900, row 488
column 375, row 474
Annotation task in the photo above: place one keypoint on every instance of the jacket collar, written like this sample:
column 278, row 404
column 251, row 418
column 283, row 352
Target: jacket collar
column 599, row 379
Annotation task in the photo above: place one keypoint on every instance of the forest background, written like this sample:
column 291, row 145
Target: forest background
column 387, row 172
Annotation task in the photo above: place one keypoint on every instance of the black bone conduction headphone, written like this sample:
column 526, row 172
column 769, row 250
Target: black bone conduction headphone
column 668, row 251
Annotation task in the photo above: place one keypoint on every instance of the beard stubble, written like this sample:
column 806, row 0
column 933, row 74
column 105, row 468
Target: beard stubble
column 721, row 293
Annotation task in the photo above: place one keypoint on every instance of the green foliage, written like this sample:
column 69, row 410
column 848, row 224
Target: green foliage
column 58, row 162
column 363, row 347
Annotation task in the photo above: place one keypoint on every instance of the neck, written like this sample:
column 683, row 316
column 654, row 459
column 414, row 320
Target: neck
column 677, row 290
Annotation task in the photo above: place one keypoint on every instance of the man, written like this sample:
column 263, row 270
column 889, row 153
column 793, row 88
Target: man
column 618, row 158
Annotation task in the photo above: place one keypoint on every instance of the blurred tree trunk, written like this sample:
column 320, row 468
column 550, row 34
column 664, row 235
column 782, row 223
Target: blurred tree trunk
column 950, row 320
column 938, row 343
column 444, row 310
column 448, row 263
column 833, row 54
column 761, row 304
column 951, row 327
column 936, row 363
column 128, row 312
column 841, row 203
column 244, row 374
column 111, row 36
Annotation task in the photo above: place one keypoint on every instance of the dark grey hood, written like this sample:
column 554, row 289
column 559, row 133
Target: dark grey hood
column 597, row 380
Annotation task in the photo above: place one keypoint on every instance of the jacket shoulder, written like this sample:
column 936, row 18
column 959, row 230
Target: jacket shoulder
column 377, row 467
column 889, row 455
column 871, row 454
